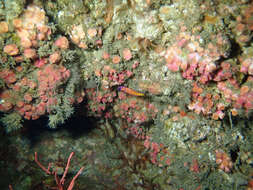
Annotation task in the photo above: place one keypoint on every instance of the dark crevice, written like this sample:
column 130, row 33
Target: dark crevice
column 235, row 49
column 234, row 154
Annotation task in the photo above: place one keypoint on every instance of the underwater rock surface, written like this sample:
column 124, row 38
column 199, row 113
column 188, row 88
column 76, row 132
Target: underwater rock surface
column 147, row 94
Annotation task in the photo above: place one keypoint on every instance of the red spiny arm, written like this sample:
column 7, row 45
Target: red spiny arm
column 41, row 166
column 67, row 168
column 72, row 183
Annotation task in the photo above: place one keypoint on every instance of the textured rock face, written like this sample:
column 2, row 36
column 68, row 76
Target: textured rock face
column 169, row 83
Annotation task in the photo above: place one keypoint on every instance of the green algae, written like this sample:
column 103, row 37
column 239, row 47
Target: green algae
column 12, row 9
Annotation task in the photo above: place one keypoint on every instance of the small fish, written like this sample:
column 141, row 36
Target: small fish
column 130, row 91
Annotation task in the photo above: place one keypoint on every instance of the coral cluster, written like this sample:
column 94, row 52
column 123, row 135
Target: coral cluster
column 134, row 109
column 204, row 67
column 224, row 161
column 33, row 70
